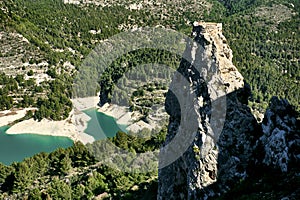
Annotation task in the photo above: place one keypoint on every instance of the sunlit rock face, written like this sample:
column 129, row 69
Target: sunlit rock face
column 211, row 132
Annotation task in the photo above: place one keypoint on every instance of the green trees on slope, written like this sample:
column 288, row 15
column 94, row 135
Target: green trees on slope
column 70, row 173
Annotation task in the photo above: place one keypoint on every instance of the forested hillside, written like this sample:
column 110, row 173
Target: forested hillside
column 263, row 34
column 264, row 42
column 75, row 173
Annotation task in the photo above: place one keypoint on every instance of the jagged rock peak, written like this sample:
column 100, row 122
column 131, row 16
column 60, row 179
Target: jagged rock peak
column 211, row 125
column 211, row 37
column 212, row 133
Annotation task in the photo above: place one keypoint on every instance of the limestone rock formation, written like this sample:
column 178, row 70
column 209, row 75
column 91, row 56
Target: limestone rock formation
column 214, row 142
column 211, row 131
column 280, row 142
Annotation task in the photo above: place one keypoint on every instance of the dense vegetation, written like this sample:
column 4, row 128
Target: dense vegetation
column 51, row 98
column 74, row 173
column 57, row 105
column 265, row 48
column 267, row 54
column 133, row 60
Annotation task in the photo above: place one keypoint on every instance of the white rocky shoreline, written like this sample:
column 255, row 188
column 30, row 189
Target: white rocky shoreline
column 71, row 128
column 74, row 126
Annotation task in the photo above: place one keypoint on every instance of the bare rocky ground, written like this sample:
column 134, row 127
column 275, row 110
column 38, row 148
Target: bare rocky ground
column 274, row 14
column 18, row 56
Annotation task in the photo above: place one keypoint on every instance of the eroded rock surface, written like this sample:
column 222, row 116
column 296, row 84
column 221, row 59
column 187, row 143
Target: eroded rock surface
column 211, row 129
column 280, row 143
column 214, row 142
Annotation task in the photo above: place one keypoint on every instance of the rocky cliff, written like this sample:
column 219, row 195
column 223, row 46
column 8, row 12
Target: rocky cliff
column 280, row 143
column 212, row 135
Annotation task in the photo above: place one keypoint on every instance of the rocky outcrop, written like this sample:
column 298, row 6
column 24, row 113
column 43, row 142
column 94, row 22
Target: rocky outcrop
column 214, row 142
column 211, row 132
column 279, row 145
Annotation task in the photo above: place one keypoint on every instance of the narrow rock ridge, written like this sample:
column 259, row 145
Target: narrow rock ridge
column 211, row 131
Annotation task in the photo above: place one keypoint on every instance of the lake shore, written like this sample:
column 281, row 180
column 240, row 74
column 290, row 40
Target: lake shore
column 121, row 113
column 73, row 128
column 9, row 116
column 123, row 116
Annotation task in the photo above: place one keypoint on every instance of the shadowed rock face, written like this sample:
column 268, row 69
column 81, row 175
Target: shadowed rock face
column 211, row 131
column 280, row 142
column 213, row 141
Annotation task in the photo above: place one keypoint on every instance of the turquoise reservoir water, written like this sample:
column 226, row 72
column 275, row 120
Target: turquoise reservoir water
column 17, row 147
column 102, row 126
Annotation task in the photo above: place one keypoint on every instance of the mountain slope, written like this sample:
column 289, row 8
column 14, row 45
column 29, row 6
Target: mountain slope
column 264, row 38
